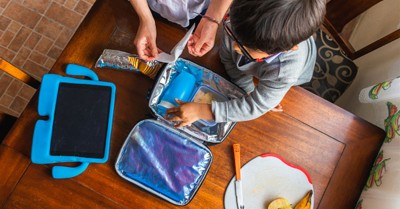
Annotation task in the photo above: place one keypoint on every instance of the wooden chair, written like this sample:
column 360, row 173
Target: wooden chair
column 341, row 12
column 7, row 120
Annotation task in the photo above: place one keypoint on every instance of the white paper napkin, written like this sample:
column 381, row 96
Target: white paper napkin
column 177, row 50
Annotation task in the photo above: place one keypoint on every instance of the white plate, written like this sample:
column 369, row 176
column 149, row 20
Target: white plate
column 266, row 178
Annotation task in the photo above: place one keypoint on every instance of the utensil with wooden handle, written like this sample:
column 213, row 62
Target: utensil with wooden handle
column 238, row 182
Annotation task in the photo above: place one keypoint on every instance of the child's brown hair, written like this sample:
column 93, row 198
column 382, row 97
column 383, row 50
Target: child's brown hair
column 275, row 25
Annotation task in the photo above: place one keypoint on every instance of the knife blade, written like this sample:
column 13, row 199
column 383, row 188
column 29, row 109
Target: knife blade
column 238, row 182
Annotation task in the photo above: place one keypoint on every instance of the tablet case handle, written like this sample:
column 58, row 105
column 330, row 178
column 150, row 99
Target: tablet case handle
column 78, row 70
column 63, row 172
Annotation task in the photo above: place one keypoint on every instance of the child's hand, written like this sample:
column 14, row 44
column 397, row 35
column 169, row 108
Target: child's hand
column 189, row 112
column 278, row 108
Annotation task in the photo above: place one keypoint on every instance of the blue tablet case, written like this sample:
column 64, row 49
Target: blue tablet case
column 79, row 123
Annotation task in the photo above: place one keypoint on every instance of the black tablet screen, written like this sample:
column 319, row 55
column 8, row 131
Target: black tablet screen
column 80, row 120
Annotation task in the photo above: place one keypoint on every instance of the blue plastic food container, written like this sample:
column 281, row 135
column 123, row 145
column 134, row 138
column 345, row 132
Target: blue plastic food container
column 181, row 87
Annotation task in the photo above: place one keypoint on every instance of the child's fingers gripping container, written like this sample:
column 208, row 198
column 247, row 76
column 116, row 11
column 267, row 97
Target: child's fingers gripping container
column 169, row 162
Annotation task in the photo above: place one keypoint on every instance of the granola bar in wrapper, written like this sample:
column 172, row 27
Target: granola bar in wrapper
column 125, row 61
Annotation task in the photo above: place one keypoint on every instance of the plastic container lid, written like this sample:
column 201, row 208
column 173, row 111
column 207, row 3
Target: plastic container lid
column 205, row 94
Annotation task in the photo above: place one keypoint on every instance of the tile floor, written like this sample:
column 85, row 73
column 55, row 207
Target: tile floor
column 33, row 34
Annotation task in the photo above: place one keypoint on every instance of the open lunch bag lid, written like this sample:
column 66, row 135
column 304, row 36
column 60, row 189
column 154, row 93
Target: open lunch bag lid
column 169, row 162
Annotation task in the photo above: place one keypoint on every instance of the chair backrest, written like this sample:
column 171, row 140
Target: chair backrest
column 341, row 12
column 7, row 120
column 333, row 72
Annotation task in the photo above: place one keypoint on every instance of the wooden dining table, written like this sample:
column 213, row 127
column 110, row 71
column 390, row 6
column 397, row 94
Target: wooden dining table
column 334, row 146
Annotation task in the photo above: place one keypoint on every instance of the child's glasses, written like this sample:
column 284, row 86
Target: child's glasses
column 246, row 53
column 228, row 31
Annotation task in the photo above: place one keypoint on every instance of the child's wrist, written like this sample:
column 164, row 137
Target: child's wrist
column 206, row 112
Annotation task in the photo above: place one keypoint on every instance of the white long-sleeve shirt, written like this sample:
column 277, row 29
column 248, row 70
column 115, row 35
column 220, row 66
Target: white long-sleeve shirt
column 178, row 11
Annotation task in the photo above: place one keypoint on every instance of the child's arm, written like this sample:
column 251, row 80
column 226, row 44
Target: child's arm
column 188, row 112
column 265, row 97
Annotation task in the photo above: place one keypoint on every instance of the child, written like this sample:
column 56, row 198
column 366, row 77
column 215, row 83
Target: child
column 266, row 39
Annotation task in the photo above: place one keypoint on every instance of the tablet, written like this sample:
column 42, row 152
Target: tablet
column 77, row 121
column 80, row 120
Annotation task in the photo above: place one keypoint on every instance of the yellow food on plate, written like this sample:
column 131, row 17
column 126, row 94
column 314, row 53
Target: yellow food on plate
column 280, row 203
column 305, row 202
